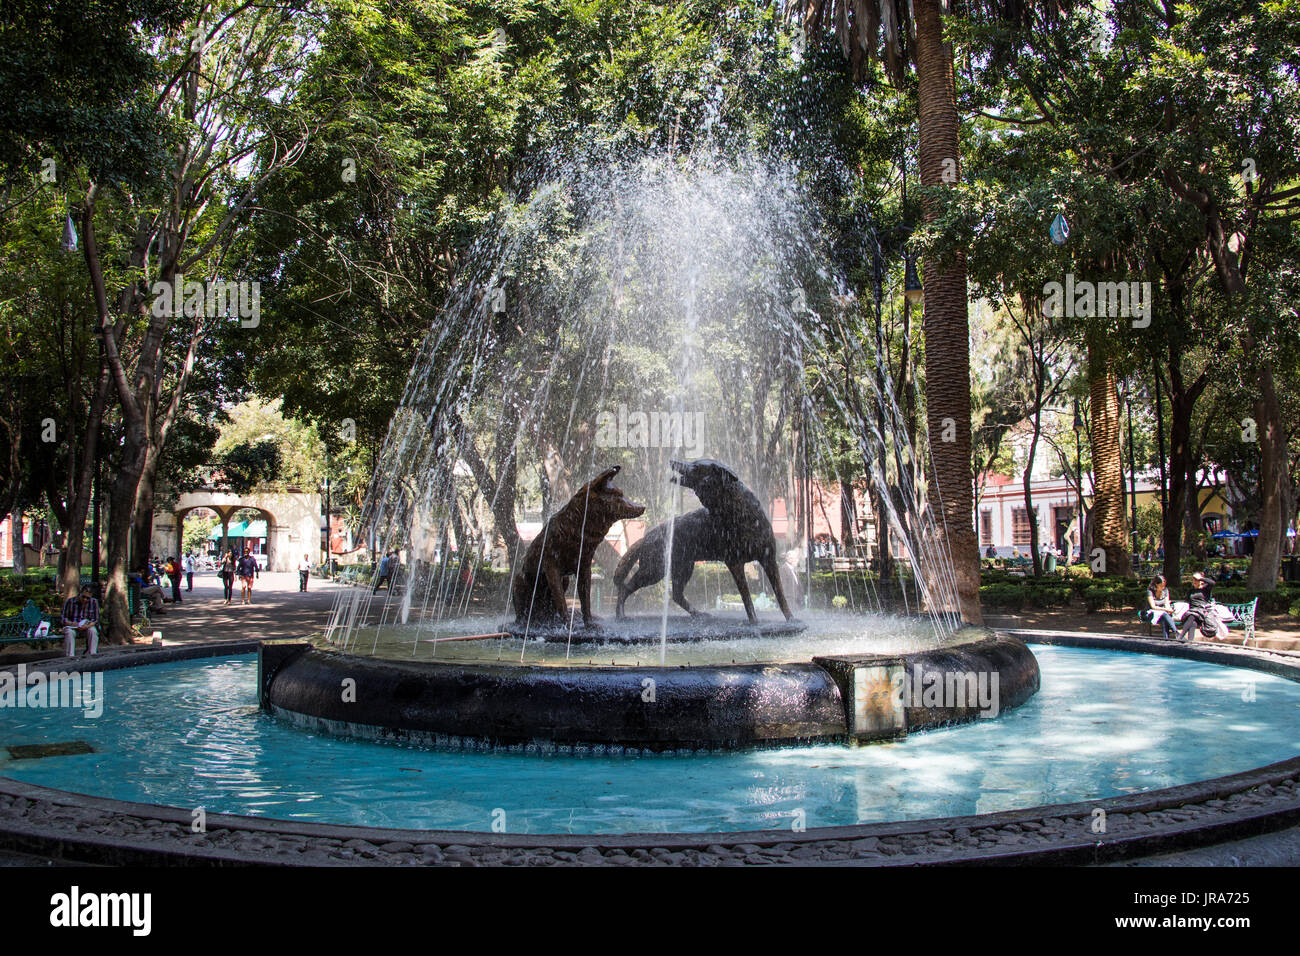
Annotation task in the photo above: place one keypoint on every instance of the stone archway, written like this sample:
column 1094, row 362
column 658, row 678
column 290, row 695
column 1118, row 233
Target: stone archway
column 225, row 520
column 293, row 521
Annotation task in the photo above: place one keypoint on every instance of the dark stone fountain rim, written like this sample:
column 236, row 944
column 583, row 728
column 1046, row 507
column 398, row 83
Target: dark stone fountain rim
column 643, row 629
column 1252, row 802
column 525, row 707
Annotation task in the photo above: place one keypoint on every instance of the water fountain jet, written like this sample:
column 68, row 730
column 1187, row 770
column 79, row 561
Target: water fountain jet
column 678, row 286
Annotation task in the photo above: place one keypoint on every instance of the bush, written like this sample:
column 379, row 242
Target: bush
column 1051, row 596
column 1007, row 595
column 17, row 590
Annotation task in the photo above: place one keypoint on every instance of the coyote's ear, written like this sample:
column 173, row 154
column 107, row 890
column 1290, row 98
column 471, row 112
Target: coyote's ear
column 606, row 476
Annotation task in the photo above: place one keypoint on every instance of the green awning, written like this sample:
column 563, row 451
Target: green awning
column 240, row 529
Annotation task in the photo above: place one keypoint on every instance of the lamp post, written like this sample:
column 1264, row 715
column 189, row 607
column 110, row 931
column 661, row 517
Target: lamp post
column 912, row 289
column 325, row 531
column 1078, row 475
column 1132, row 471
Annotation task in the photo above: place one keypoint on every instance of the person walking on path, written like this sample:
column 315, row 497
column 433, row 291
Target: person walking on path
column 304, row 572
column 385, row 572
column 247, row 570
column 174, row 573
column 227, row 572
column 80, row 616
column 189, row 571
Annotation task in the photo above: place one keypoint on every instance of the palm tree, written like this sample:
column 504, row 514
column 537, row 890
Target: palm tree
column 910, row 33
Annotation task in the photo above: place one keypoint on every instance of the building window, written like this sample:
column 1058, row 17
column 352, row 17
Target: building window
column 986, row 527
column 1021, row 534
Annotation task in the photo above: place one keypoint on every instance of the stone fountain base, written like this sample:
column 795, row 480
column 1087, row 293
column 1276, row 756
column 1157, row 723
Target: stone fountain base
column 648, row 629
column 641, row 708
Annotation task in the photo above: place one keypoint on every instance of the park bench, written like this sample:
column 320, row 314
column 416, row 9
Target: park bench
column 20, row 628
column 848, row 563
column 1243, row 616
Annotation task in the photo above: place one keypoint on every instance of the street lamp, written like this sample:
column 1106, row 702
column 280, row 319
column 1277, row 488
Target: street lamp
column 325, row 531
column 912, row 290
column 1078, row 474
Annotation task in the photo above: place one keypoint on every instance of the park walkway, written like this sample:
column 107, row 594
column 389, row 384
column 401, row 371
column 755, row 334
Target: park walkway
column 278, row 610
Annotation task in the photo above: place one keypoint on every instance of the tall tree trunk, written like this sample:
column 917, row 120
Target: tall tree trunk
column 142, row 524
column 1110, row 522
column 944, row 319
column 16, row 536
column 884, row 546
column 1182, row 464
column 1193, row 529
column 1175, row 513
column 1034, row 548
column 121, row 519
column 1270, row 430
column 848, row 517
column 133, row 399
column 1274, row 481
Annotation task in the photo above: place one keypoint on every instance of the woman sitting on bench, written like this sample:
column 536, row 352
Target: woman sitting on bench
column 1160, row 609
column 1202, row 613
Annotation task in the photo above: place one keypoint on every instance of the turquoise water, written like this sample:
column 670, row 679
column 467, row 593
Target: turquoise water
column 1105, row 723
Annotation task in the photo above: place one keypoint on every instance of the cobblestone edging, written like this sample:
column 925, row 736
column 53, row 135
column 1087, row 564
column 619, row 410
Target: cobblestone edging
column 68, row 826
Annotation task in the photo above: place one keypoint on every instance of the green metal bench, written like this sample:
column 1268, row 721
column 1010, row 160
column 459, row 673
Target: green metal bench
column 20, row 628
column 1243, row 616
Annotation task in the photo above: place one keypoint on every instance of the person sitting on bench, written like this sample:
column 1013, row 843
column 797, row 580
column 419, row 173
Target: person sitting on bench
column 80, row 616
column 1200, row 613
column 1160, row 610
column 151, row 593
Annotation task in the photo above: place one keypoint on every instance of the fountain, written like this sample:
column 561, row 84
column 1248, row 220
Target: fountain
column 671, row 320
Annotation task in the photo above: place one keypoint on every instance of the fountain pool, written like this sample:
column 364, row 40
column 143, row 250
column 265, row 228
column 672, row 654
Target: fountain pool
column 1104, row 724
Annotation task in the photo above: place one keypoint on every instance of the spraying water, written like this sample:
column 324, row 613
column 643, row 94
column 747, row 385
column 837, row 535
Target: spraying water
column 628, row 312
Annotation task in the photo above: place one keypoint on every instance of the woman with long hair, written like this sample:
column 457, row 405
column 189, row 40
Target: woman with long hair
column 1160, row 608
column 227, row 572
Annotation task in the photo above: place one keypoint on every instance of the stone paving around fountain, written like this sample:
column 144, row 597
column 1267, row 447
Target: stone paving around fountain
column 87, row 829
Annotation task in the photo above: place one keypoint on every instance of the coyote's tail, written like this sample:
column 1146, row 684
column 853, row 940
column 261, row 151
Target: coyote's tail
column 627, row 563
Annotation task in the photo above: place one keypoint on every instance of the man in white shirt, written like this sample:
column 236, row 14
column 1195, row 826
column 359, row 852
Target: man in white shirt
column 304, row 571
column 190, row 566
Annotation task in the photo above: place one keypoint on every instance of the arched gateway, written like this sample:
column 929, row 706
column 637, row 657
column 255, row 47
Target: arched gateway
column 293, row 522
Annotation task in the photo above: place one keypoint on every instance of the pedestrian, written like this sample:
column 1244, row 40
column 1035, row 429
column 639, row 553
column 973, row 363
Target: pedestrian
column 247, row 570
column 385, row 572
column 80, row 616
column 304, row 571
column 227, row 573
column 791, row 584
column 189, row 571
column 174, row 573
